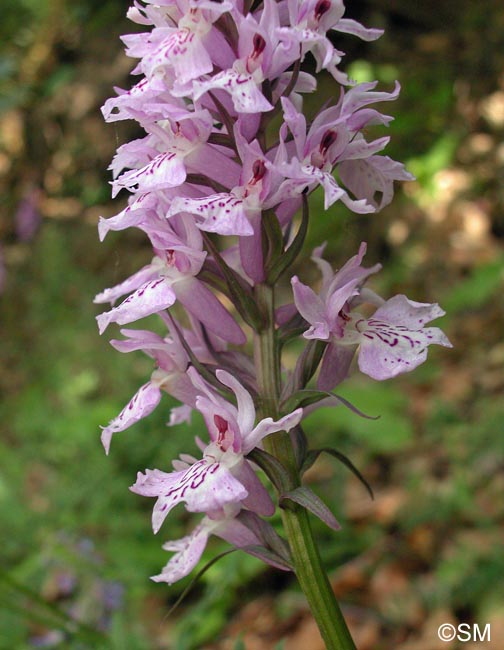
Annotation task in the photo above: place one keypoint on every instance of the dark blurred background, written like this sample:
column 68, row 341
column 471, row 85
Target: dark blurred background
column 75, row 544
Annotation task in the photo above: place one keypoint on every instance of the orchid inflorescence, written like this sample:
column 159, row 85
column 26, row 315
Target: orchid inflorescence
column 213, row 78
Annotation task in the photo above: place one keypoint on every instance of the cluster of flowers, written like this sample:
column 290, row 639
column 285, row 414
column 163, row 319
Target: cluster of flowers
column 213, row 77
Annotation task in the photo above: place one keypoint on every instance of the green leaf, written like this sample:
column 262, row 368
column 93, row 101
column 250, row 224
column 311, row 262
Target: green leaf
column 391, row 432
column 313, row 454
column 306, row 498
column 307, row 397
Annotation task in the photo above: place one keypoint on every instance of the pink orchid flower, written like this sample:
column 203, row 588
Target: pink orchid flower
column 394, row 340
column 223, row 476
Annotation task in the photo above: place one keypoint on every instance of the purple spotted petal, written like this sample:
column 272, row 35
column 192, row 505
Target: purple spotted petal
column 332, row 191
column 394, row 340
column 140, row 406
column 184, row 52
column 400, row 310
column 189, row 549
column 165, row 171
column 188, row 552
column 246, row 96
column 117, row 108
column 132, row 283
column 133, row 215
column 203, row 487
column 220, row 213
column 150, row 298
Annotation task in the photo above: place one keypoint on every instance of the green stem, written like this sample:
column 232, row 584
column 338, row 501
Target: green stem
column 307, row 562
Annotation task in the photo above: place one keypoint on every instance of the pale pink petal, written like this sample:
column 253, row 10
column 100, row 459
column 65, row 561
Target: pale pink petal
column 360, row 148
column 375, row 175
column 140, row 406
column 184, row 52
column 309, row 40
column 220, row 213
column 165, row 171
column 362, row 95
column 133, row 215
column 246, row 410
column 188, row 550
column 203, row 487
column 236, row 533
column 138, row 340
column 126, row 219
column 225, row 170
column 395, row 340
column 332, row 191
column 349, row 26
column 116, row 108
column 312, row 309
column 246, row 96
column 132, row 283
column 409, row 313
column 324, row 267
column 150, row 298
column 267, row 426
